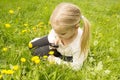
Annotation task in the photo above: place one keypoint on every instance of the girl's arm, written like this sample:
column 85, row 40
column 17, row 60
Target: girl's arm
column 39, row 42
column 75, row 65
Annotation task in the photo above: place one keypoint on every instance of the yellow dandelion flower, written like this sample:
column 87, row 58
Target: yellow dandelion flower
column 45, row 56
column 30, row 45
column 23, row 60
column 4, row 71
column 11, row 11
column 34, row 28
column 9, row 72
column 23, row 31
column 34, row 58
column 51, row 52
column 37, row 61
column 5, row 49
column 41, row 23
column 25, row 24
column 1, row 76
column 16, row 67
column 7, row 25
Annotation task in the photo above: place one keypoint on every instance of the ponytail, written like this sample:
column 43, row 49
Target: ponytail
column 85, row 36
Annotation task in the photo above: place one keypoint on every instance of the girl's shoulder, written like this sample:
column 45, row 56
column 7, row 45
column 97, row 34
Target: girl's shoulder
column 76, row 43
column 51, row 36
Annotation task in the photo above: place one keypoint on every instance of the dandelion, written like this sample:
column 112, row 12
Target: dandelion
column 1, row 76
column 107, row 71
column 34, row 58
column 5, row 49
column 7, row 25
column 45, row 56
column 9, row 72
column 37, row 61
column 41, row 23
column 95, row 43
column 25, row 24
column 11, row 11
column 51, row 52
column 23, row 60
column 4, row 71
column 30, row 45
column 23, row 31
column 34, row 28
column 15, row 67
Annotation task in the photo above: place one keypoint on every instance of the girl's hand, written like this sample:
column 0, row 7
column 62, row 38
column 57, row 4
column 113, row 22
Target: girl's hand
column 51, row 59
column 55, row 44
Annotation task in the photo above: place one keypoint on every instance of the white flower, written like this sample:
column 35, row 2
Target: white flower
column 95, row 43
column 99, row 66
column 91, row 59
column 107, row 71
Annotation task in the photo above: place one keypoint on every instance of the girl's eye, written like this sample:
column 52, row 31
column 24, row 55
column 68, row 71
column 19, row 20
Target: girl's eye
column 63, row 34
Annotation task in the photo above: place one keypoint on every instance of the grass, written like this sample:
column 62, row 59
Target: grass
column 30, row 19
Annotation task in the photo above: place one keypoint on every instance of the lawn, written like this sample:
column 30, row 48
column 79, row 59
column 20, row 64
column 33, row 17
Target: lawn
column 23, row 20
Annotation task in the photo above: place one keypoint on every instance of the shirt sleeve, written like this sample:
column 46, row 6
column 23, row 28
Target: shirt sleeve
column 77, row 61
column 51, row 36
column 34, row 39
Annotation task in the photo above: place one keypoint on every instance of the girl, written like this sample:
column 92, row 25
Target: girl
column 69, row 42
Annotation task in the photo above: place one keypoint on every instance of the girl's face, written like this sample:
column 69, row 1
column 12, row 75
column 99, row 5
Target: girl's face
column 65, row 32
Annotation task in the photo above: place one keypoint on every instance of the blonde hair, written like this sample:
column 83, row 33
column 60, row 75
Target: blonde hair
column 67, row 14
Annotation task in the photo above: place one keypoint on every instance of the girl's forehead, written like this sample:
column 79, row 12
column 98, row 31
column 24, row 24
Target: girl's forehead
column 61, row 28
column 56, row 26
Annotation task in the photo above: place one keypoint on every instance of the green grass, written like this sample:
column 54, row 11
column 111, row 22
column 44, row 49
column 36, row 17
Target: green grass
column 103, row 62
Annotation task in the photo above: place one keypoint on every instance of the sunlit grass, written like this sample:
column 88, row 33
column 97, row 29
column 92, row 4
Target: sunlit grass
column 22, row 21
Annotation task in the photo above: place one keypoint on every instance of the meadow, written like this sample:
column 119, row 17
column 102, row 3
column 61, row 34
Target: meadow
column 24, row 20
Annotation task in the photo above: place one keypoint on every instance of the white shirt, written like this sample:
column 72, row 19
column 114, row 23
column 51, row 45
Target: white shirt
column 72, row 49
